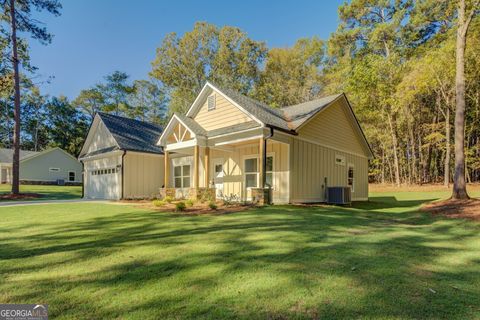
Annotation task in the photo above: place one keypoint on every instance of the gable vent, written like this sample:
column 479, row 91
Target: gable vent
column 211, row 102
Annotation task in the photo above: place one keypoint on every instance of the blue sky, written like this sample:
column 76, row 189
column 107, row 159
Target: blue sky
column 95, row 37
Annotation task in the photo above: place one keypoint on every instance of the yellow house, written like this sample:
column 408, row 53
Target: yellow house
column 232, row 146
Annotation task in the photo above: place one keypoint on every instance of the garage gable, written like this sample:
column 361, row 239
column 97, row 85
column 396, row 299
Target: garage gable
column 98, row 138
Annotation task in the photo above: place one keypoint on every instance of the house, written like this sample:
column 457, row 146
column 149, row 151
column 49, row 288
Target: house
column 121, row 159
column 233, row 146
column 51, row 166
column 230, row 146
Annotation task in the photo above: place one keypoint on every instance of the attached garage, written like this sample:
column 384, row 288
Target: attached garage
column 120, row 159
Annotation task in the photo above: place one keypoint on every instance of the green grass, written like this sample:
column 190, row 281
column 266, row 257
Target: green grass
column 381, row 260
column 47, row 192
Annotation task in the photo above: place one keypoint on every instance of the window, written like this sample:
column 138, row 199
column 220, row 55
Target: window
column 71, row 176
column 211, row 102
column 350, row 178
column 269, row 172
column 340, row 160
column 182, row 176
column 251, row 173
column 218, row 168
column 53, row 169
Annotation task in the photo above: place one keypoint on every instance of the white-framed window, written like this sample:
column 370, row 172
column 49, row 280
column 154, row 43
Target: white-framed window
column 71, row 175
column 251, row 172
column 211, row 101
column 54, row 169
column 351, row 177
column 339, row 160
column 269, row 171
column 181, row 176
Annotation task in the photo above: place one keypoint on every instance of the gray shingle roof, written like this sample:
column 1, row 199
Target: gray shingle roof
column 259, row 110
column 6, row 155
column 297, row 114
column 133, row 135
column 234, row 128
column 287, row 118
column 192, row 124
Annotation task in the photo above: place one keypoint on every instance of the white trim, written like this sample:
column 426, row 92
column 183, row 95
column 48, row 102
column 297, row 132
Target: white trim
column 235, row 133
column 244, row 176
column 168, row 128
column 271, row 154
column 191, row 110
column 102, row 155
column 91, row 133
column 74, row 175
column 214, row 104
column 238, row 140
column 181, row 145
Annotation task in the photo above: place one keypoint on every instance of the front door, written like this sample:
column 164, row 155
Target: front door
column 218, row 174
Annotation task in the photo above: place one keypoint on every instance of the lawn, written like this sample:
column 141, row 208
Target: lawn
column 381, row 259
column 46, row 192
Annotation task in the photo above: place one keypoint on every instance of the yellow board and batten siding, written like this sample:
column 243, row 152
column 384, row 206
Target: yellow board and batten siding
column 143, row 175
column 225, row 114
column 329, row 134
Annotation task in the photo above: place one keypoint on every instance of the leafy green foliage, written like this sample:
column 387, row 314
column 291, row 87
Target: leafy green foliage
column 223, row 55
column 159, row 203
column 180, row 206
column 168, row 199
column 212, row 205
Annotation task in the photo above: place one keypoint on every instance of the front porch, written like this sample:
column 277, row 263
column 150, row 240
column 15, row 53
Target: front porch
column 242, row 167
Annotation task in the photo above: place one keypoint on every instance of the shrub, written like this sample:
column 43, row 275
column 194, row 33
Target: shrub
column 212, row 205
column 168, row 199
column 158, row 203
column 180, row 206
column 189, row 202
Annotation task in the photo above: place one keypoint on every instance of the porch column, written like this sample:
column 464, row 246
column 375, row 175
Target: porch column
column 195, row 166
column 263, row 163
column 207, row 167
column 167, row 169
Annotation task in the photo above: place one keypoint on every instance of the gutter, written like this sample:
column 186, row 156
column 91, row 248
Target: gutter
column 123, row 180
column 83, row 179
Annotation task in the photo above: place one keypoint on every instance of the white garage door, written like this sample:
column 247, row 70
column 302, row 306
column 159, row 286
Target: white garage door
column 103, row 184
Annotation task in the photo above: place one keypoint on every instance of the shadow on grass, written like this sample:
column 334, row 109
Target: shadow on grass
column 276, row 262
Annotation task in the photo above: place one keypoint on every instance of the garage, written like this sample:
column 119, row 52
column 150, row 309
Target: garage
column 120, row 159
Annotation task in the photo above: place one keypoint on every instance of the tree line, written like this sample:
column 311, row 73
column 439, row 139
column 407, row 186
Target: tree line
column 409, row 68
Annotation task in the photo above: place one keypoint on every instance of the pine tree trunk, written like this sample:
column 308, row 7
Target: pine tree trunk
column 395, row 152
column 459, row 184
column 446, row 174
column 16, row 127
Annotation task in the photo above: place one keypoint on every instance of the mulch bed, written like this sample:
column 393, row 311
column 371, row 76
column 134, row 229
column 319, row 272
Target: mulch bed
column 197, row 209
column 21, row 196
column 464, row 209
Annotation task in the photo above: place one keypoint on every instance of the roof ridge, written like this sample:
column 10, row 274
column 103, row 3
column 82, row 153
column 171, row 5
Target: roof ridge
column 101, row 113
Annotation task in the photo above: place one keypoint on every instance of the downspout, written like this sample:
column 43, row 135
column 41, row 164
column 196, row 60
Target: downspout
column 83, row 178
column 264, row 162
column 123, row 162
